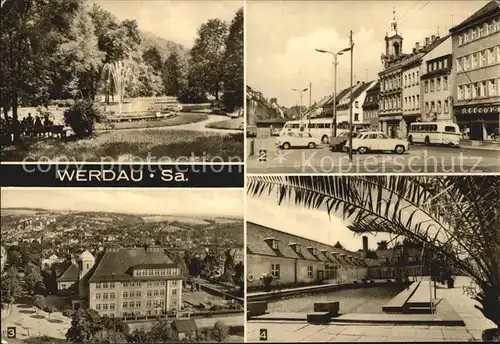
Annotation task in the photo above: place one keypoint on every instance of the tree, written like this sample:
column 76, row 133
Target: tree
column 33, row 279
column 153, row 58
column 173, row 74
column 382, row 245
column 68, row 313
column 195, row 266
column 207, row 57
column 239, row 272
column 162, row 332
column 85, row 324
column 455, row 216
column 115, row 325
column 109, row 337
column 10, row 287
column 39, row 302
column 220, row 331
column 233, row 64
column 82, row 116
column 50, row 310
column 139, row 335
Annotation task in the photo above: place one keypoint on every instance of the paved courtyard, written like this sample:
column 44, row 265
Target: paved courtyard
column 475, row 322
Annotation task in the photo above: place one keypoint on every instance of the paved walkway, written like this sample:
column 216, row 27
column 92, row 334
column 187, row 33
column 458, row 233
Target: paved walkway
column 302, row 332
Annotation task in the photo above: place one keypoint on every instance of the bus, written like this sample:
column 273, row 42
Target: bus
column 434, row 133
column 318, row 127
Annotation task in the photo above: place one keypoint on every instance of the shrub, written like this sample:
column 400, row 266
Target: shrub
column 81, row 117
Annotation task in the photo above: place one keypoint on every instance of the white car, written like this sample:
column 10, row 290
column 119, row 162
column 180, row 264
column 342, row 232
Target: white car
column 378, row 141
column 297, row 139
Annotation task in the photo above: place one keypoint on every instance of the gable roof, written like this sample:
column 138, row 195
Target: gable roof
column 256, row 244
column 117, row 265
column 356, row 93
column 70, row 274
column 184, row 325
column 490, row 8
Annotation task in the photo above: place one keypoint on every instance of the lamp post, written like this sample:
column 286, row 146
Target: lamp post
column 334, row 100
column 351, row 43
column 301, row 91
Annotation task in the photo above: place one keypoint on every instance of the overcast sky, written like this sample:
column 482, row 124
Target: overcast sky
column 185, row 202
column 177, row 21
column 308, row 223
column 281, row 38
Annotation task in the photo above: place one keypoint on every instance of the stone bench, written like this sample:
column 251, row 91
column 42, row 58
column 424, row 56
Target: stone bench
column 256, row 308
column 331, row 307
column 319, row 317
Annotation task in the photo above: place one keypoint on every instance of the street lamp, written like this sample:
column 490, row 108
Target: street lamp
column 301, row 92
column 334, row 101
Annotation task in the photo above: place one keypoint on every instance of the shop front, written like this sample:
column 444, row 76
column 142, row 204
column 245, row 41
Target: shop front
column 393, row 126
column 479, row 122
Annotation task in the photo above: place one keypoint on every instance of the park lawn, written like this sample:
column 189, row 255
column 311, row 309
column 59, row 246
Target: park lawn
column 229, row 124
column 132, row 146
column 183, row 118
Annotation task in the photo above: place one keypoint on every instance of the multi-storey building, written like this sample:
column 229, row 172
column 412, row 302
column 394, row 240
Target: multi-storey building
column 294, row 260
column 476, row 88
column 125, row 282
column 436, row 83
column 411, row 88
column 358, row 98
column 370, row 107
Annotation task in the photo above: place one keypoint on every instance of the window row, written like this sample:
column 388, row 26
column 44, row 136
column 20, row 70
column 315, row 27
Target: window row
column 436, row 84
column 412, row 79
column 105, row 306
column 412, row 103
column 391, row 103
column 436, row 65
column 482, row 89
column 479, row 59
column 390, row 83
column 480, row 31
column 105, row 285
column 156, row 272
column 437, row 107
column 105, row 296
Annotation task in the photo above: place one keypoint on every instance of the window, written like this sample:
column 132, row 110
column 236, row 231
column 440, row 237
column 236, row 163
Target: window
column 98, row 286
column 459, row 65
column 105, row 285
column 446, row 107
column 445, row 83
column 418, row 78
column 104, row 306
column 174, row 292
column 356, row 104
column 484, row 89
column 465, row 63
column 433, row 106
column 427, row 109
column 473, row 34
column 426, row 86
column 150, row 272
column 137, row 304
column 112, row 285
column 105, row 296
column 274, row 244
column 498, row 53
column 474, row 60
column 149, row 303
column 491, row 27
column 460, row 39
column 418, row 101
column 438, row 84
column 445, row 63
column 476, row 90
column 138, row 293
column 98, row 306
column 438, row 110
column 275, row 270
column 406, row 103
column 132, row 294
column 112, row 306
column 461, row 94
column 162, row 292
column 449, row 129
column 356, row 116
column 468, row 92
column 157, row 272
column 63, row 285
column 491, row 56
column 156, row 292
column 482, row 59
column 125, row 304
column 434, row 65
column 310, row 271
column 150, row 283
column 150, row 293
column 98, row 296
column 112, row 296
column 125, row 294
column 491, row 88
column 432, row 85
column 125, row 284
column 440, row 64
column 406, row 80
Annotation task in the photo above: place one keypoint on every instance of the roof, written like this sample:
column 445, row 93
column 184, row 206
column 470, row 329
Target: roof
column 117, row 264
column 256, row 244
column 490, row 8
column 70, row 275
column 184, row 325
column 357, row 92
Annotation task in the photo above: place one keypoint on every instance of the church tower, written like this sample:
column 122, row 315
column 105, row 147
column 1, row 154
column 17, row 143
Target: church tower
column 393, row 43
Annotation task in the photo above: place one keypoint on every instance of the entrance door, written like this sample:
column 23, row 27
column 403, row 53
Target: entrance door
column 320, row 275
column 476, row 131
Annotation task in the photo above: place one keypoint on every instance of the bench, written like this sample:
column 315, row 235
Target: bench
column 471, row 289
column 331, row 307
column 319, row 317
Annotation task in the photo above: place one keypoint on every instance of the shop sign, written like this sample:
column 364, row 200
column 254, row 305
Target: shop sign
column 474, row 110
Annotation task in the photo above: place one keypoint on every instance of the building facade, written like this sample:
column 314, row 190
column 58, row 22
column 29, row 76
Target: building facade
column 358, row 98
column 476, row 88
column 370, row 107
column 293, row 261
column 437, row 80
column 126, row 282
column 411, row 90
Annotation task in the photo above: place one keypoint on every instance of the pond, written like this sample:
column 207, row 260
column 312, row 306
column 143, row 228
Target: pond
column 361, row 300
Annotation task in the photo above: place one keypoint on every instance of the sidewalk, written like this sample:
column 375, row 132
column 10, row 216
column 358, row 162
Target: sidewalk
column 483, row 145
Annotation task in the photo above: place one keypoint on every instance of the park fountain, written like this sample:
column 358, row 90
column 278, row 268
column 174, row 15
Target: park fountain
column 118, row 72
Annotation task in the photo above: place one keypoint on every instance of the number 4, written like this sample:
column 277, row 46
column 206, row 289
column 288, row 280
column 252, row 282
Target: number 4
column 263, row 334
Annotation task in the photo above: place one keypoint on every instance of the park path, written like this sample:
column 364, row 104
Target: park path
column 196, row 126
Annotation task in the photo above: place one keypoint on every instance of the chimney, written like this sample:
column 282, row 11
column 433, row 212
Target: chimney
column 414, row 50
column 365, row 244
column 427, row 40
column 433, row 38
column 417, row 46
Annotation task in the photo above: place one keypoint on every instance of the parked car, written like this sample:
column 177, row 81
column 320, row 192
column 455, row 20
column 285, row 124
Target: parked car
column 341, row 141
column 275, row 132
column 378, row 141
column 297, row 139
